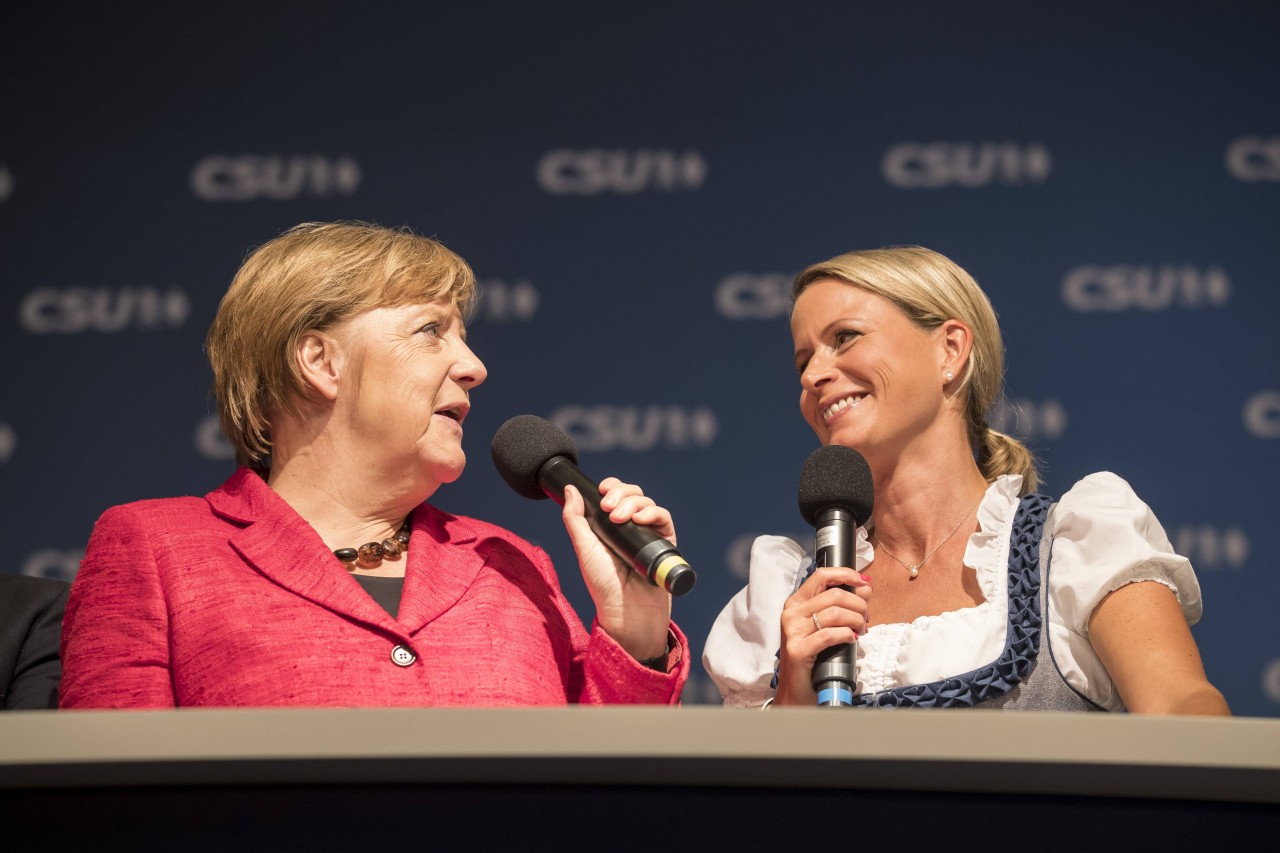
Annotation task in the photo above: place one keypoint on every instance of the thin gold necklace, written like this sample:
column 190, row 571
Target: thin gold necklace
column 915, row 569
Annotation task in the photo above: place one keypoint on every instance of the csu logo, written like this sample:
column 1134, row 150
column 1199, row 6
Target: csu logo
column 754, row 296
column 1271, row 681
column 565, row 171
column 80, row 309
column 53, row 563
column 507, row 302
column 933, row 165
column 637, row 428
column 1145, row 287
column 210, row 442
column 1029, row 420
column 1252, row 158
column 6, row 183
column 8, row 442
column 1209, row 547
column 275, row 177
column 1262, row 414
column 737, row 557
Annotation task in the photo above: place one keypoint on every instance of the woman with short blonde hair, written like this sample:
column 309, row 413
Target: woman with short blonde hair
column 312, row 277
column 344, row 377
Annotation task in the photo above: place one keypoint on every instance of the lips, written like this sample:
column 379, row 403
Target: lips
column 843, row 404
column 456, row 412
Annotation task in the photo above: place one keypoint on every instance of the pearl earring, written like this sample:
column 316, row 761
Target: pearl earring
column 950, row 375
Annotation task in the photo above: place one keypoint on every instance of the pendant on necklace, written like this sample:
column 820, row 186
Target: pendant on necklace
column 915, row 570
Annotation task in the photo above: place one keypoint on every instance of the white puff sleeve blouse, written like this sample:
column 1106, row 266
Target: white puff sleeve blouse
column 1106, row 537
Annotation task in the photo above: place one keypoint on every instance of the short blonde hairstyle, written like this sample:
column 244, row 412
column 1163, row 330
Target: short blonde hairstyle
column 931, row 289
column 310, row 278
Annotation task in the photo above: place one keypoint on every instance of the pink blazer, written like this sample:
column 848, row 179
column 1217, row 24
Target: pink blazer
column 233, row 599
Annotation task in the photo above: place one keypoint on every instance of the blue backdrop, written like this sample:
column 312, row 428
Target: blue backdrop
column 634, row 185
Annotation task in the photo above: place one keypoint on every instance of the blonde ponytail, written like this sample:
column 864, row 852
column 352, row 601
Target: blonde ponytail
column 1000, row 454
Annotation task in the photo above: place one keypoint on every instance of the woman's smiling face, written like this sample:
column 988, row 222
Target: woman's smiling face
column 871, row 379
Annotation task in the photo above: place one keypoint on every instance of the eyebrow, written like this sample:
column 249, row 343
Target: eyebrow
column 842, row 321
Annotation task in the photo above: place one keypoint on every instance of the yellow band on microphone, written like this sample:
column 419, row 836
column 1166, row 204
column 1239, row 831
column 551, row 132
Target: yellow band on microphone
column 668, row 563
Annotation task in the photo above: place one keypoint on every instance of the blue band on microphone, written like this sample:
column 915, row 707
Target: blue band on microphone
column 842, row 696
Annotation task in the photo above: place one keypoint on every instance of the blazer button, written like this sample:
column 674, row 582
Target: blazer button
column 403, row 656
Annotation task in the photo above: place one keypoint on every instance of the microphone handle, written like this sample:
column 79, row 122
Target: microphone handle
column 654, row 558
column 834, row 677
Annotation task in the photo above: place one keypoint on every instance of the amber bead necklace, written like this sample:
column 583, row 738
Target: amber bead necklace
column 371, row 554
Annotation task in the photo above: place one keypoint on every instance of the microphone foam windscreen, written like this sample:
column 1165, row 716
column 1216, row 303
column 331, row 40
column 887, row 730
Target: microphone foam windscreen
column 836, row 477
column 522, row 445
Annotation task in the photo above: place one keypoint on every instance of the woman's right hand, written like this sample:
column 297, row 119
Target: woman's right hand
column 842, row 615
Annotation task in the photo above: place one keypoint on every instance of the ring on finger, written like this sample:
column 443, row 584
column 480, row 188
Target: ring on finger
column 816, row 624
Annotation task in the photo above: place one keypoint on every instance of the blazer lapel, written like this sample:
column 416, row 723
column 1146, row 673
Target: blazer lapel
column 443, row 563
column 281, row 545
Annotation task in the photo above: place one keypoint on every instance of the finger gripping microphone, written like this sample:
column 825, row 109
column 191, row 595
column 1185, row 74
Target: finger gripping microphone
column 835, row 497
column 537, row 459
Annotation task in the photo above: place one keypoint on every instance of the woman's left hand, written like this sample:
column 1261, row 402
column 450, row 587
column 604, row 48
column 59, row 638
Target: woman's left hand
column 630, row 609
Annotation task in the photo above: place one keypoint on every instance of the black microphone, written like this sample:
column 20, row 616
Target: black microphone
column 835, row 496
column 537, row 459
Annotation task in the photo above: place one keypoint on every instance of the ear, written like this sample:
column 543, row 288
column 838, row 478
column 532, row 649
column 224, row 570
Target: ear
column 957, row 344
column 320, row 362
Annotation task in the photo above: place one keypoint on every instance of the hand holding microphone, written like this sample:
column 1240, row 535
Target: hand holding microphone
column 623, row 540
column 822, row 619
